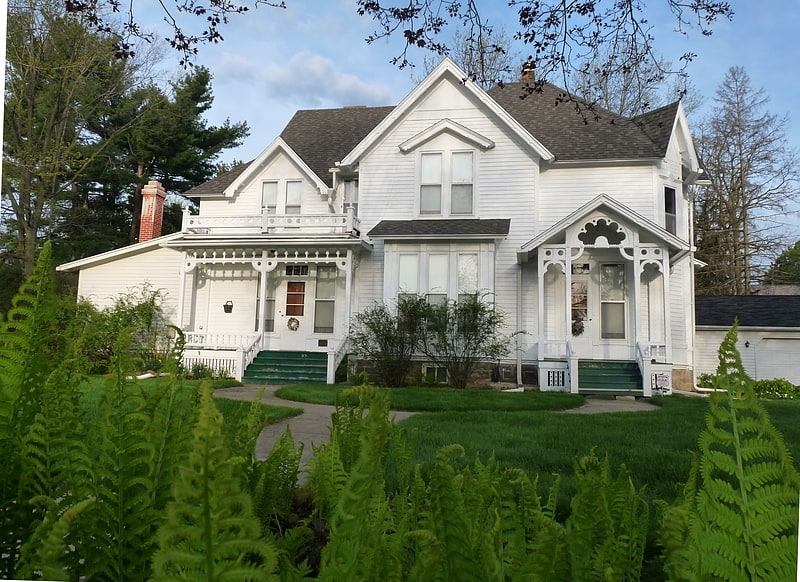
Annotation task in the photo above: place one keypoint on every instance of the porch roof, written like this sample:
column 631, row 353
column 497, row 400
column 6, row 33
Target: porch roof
column 268, row 243
column 555, row 234
column 490, row 228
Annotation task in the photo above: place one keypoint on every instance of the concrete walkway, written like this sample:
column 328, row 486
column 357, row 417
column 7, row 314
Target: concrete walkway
column 311, row 427
column 308, row 428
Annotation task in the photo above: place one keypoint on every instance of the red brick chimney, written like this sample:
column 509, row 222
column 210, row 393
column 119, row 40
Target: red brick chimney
column 528, row 72
column 153, row 196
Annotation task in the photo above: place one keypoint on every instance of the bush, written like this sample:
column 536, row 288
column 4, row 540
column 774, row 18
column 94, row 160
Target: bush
column 776, row 389
column 705, row 380
column 389, row 337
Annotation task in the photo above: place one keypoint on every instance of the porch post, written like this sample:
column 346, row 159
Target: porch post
column 637, row 296
column 348, row 291
column 665, row 272
column 262, row 293
column 181, row 290
column 568, row 295
column 540, row 301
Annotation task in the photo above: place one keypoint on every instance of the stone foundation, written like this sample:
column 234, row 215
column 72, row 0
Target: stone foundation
column 682, row 379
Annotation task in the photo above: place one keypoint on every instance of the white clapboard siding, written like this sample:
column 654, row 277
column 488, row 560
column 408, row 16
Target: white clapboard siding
column 159, row 267
column 563, row 190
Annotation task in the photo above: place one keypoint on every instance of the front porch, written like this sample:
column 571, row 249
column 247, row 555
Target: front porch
column 604, row 302
column 236, row 356
column 266, row 284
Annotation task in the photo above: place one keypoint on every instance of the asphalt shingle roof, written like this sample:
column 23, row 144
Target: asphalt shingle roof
column 573, row 130
column 215, row 186
column 752, row 310
column 446, row 227
column 322, row 137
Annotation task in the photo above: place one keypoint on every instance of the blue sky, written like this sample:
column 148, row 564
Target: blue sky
column 313, row 55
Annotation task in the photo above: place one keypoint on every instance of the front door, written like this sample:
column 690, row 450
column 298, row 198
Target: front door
column 600, row 310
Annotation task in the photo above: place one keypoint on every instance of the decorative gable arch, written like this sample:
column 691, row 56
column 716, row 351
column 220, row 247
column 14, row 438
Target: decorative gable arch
column 450, row 127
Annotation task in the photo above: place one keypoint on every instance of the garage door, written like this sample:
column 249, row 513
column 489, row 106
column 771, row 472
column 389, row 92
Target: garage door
column 778, row 358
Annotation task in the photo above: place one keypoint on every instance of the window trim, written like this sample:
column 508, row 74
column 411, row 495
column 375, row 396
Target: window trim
column 446, row 182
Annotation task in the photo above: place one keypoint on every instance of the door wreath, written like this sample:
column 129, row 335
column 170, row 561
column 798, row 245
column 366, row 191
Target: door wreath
column 293, row 323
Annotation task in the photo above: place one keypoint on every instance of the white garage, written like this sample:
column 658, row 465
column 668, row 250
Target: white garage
column 769, row 333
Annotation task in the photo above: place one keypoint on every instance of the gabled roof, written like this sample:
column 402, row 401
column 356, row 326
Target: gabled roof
column 441, row 228
column 603, row 201
column 446, row 70
column 322, row 137
column 264, row 158
column 593, row 133
column 752, row 310
column 216, row 186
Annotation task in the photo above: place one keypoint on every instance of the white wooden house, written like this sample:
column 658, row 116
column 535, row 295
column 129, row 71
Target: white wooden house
column 578, row 225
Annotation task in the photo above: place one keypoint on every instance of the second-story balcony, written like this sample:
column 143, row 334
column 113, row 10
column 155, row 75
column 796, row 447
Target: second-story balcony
column 346, row 224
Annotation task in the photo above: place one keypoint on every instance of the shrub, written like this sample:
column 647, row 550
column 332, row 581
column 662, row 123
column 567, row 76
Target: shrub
column 389, row 337
column 705, row 380
column 776, row 389
column 460, row 334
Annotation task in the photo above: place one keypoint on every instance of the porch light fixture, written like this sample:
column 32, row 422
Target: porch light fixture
column 227, row 307
column 747, row 344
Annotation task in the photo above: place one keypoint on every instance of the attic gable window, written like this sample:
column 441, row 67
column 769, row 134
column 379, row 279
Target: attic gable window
column 446, row 183
column 294, row 193
column 461, row 186
column 269, row 197
column 430, row 189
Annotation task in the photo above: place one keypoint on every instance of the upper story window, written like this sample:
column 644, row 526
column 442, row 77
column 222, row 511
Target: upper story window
column 269, row 197
column 351, row 195
column 670, row 206
column 446, row 183
column 461, row 184
column 294, row 194
column 290, row 202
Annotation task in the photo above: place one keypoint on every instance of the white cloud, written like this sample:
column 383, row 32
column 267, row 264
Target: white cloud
column 312, row 80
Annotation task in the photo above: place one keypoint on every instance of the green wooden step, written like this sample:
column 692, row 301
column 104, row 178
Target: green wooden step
column 271, row 367
column 610, row 377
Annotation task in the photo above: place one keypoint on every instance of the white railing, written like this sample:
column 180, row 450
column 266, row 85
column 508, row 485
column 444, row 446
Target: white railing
column 346, row 223
column 223, row 354
column 221, row 341
column 553, row 349
column 335, row 357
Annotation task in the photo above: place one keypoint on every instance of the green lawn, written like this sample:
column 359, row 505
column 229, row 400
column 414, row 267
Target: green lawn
column 528, row 431
column 231, row 409
column 428, row 399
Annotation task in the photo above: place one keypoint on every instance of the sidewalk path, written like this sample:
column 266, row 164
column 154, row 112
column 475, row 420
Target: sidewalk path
column 307, row 428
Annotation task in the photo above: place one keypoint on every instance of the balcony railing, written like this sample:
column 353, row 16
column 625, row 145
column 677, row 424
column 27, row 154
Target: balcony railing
column 285, row 224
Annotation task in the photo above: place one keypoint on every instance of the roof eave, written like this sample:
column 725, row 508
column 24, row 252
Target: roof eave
column 116, row 254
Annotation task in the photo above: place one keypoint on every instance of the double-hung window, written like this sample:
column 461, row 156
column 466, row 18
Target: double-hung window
column 446, row 183
column 294, row 193
column 670, row 216
column 351, row 196
column 325, row 299
column 461, row 199
column 269, row 197
column 430, row 189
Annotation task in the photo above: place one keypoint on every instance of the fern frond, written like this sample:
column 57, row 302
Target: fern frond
column 48, row 543
column 742, row 521
column 361, row 516
column 273, row 481
column 210, row 532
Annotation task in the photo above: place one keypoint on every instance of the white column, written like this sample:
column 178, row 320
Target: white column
column 665, row 274
column 181, row 290
column 262, row 294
